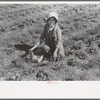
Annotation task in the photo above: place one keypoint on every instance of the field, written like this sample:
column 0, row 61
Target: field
column 20, row 28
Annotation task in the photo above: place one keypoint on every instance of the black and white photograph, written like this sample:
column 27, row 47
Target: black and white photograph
column 49, row 42
column 49, row 50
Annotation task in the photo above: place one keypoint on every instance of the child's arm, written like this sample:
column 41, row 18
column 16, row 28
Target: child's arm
column 59, row 42
column 59, row 38
column 42, row 37
column 55, row 54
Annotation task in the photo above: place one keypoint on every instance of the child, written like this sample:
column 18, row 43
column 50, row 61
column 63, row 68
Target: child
column 52, row 36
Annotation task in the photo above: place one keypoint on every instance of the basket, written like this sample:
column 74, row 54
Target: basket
column 35, row 58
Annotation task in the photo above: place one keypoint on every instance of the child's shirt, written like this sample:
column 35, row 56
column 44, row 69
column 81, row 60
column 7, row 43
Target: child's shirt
column 52, row 38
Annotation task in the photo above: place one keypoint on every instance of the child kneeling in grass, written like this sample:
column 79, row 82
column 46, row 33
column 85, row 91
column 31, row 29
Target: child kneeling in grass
column 52, row 36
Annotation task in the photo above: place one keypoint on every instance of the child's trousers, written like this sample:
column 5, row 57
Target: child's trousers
column 60, row 53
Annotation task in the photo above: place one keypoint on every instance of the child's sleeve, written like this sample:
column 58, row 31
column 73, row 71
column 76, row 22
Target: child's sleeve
column 42, row 37
column 59, row 38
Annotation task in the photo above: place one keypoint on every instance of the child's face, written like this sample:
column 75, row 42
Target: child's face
column 52, row 21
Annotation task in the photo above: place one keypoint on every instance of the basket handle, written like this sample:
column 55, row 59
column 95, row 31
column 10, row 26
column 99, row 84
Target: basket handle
column 31, row 51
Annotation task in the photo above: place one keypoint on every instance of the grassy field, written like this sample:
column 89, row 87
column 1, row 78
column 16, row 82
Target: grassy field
column 20, row 28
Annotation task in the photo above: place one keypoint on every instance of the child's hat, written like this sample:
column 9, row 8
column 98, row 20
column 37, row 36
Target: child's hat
column 53, row 14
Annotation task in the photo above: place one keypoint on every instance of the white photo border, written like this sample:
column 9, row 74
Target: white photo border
column 57, row 89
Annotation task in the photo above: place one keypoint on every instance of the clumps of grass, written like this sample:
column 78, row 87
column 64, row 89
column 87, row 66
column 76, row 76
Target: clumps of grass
column 31, row 31
column 77, row 38
column 58, row 66
column 18, row 64
column 92, row 31
column 68, row 42
column 13, row 76
column 70, row 74
column 92, row 74
column 83, row 76
column 92, row 49
column 92, row 63
column 42, row 76
column 71, row 62
column 78, row 45
column 81, row 55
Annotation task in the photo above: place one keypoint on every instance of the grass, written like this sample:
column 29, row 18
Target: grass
column 22, row 27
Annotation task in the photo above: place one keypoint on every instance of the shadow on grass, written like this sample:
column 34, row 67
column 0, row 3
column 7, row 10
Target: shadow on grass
column 23, row 47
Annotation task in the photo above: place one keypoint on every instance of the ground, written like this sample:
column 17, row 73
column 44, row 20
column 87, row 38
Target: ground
column 20, row 28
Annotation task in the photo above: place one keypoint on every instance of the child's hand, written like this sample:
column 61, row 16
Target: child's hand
column 37, row 44
column 55, row 55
